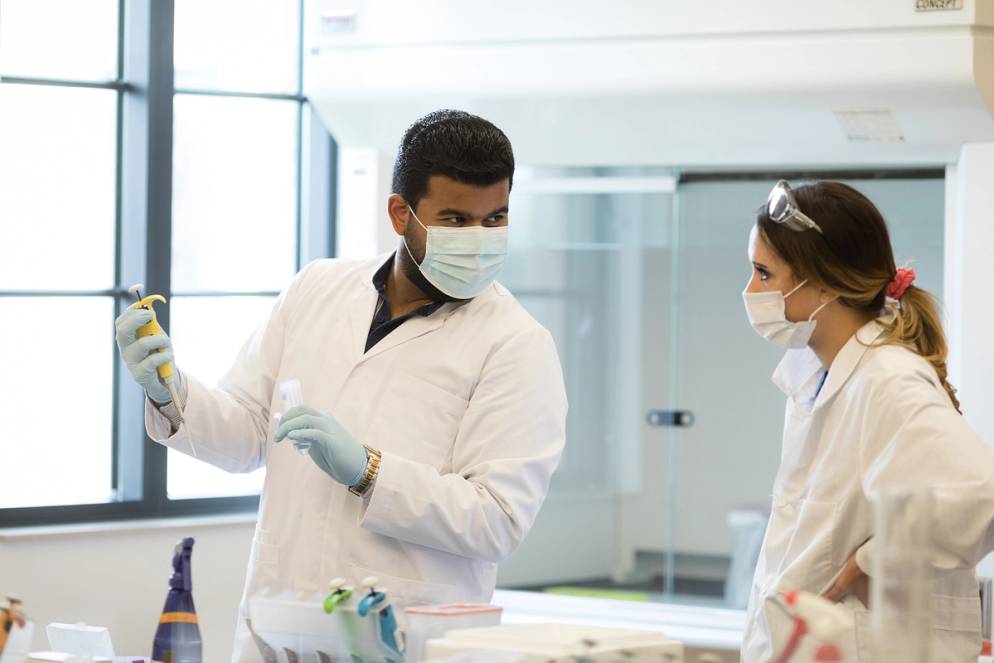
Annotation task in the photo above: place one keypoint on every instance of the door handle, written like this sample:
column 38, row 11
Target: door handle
column 670, row 418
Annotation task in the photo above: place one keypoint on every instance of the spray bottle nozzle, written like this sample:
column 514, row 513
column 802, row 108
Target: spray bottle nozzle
column 182, row 574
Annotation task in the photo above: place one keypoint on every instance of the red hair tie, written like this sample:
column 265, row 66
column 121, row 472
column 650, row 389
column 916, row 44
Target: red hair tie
column 901, row 282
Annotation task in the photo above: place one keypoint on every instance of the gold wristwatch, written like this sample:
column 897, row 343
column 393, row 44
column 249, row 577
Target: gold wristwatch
column 372, row 469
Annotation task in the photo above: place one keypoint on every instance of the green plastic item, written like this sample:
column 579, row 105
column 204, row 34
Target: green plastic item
column 588, row 592
column 335, row 599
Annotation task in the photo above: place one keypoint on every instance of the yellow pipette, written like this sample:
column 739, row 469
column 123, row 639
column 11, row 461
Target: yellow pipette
column 166, row 371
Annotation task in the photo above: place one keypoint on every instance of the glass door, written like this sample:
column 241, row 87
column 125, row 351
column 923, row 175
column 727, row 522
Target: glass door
column 589, row 259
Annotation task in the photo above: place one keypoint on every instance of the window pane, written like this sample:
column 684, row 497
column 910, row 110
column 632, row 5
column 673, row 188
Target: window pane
column 234, row 193
column 68, row 39
column 208, row 333
column 57, row 187
column 56, row 444
column 237, row 45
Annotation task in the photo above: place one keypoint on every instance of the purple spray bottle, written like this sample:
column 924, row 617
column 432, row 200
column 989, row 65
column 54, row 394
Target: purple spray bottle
column 177, row 640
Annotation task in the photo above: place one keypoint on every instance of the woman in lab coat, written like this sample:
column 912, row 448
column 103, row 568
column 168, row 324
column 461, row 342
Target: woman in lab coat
column 869, row 409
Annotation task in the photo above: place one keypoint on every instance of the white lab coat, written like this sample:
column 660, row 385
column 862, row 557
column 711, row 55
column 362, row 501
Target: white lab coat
column 467, row 405
column 881, row 420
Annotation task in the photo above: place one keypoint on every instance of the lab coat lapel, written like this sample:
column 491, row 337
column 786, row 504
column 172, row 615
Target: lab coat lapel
column 847, row 360
column 360, row 313
column 798, row 374
column 417, row 326
column 360, row 310
column 411, row 329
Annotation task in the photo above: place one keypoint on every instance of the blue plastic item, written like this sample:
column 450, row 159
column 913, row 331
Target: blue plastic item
column 374, row 605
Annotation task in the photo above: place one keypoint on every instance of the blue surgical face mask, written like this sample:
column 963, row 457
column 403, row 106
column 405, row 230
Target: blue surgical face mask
column 461, row 262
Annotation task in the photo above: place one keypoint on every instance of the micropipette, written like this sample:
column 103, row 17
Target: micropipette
column 167, row 370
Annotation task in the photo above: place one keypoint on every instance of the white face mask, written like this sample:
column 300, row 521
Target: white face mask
column 461, row 262
column 767, row 313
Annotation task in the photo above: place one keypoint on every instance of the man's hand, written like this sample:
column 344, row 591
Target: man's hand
column 850, row 580
column 331, row 447
column 143, row 356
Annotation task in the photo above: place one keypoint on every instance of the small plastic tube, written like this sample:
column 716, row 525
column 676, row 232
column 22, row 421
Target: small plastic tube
column 292, row 396
column 291, row 393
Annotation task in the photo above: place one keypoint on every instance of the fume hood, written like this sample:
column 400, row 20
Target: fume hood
column 711, row 84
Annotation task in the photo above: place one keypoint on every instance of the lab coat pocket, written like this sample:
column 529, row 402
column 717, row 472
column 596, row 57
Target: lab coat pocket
column 956, row 613
column 955, row 628
column 440, row 399
column 264, row 561
column 418, row 419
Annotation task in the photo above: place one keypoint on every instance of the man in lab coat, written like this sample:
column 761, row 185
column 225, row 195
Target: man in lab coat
column 435, row 406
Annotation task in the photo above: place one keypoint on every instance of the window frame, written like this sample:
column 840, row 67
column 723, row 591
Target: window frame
column 143, row 222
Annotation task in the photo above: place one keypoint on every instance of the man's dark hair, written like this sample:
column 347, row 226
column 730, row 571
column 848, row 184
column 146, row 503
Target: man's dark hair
column 455, row 144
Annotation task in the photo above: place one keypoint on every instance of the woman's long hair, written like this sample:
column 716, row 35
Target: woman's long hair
column 854, row 260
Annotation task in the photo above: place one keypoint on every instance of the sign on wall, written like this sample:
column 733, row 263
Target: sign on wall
column 938, row 5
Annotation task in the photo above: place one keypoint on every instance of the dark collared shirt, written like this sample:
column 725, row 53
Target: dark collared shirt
column 382, row 324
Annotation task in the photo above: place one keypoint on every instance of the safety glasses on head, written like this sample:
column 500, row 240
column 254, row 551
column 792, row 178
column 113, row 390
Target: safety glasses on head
column 781, row 207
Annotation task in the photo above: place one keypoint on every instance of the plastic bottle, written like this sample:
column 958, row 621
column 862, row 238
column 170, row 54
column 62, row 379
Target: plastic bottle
column 177, row 640
column 11, row 614
column 6, row 622
column 822, row 620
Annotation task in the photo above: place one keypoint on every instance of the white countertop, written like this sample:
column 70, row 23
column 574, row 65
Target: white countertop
column 695, row 626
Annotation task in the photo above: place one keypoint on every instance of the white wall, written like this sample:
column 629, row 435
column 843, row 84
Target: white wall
column 968, row 288
column 969, row 280
column 364, row 183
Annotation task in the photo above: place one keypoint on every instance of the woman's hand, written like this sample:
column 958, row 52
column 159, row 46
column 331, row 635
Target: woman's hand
column 850, row 580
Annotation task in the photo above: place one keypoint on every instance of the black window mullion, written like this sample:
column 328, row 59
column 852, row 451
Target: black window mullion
column 59, row 82
column 146, row 236
column 208, row 92
column 111, row 292
column 116, row 476
column 225, row 293
column 318, row 181
column 116, row 511
column 299, row 192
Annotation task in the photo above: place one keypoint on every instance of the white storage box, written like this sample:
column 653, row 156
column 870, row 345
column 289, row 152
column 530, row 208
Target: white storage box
column 427, row 622
column 297, row 623
column 559, row 643
column 80, row 640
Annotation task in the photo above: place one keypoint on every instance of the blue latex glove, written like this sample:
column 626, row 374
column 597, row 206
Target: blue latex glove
column 333, row 449
column 140, row 356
